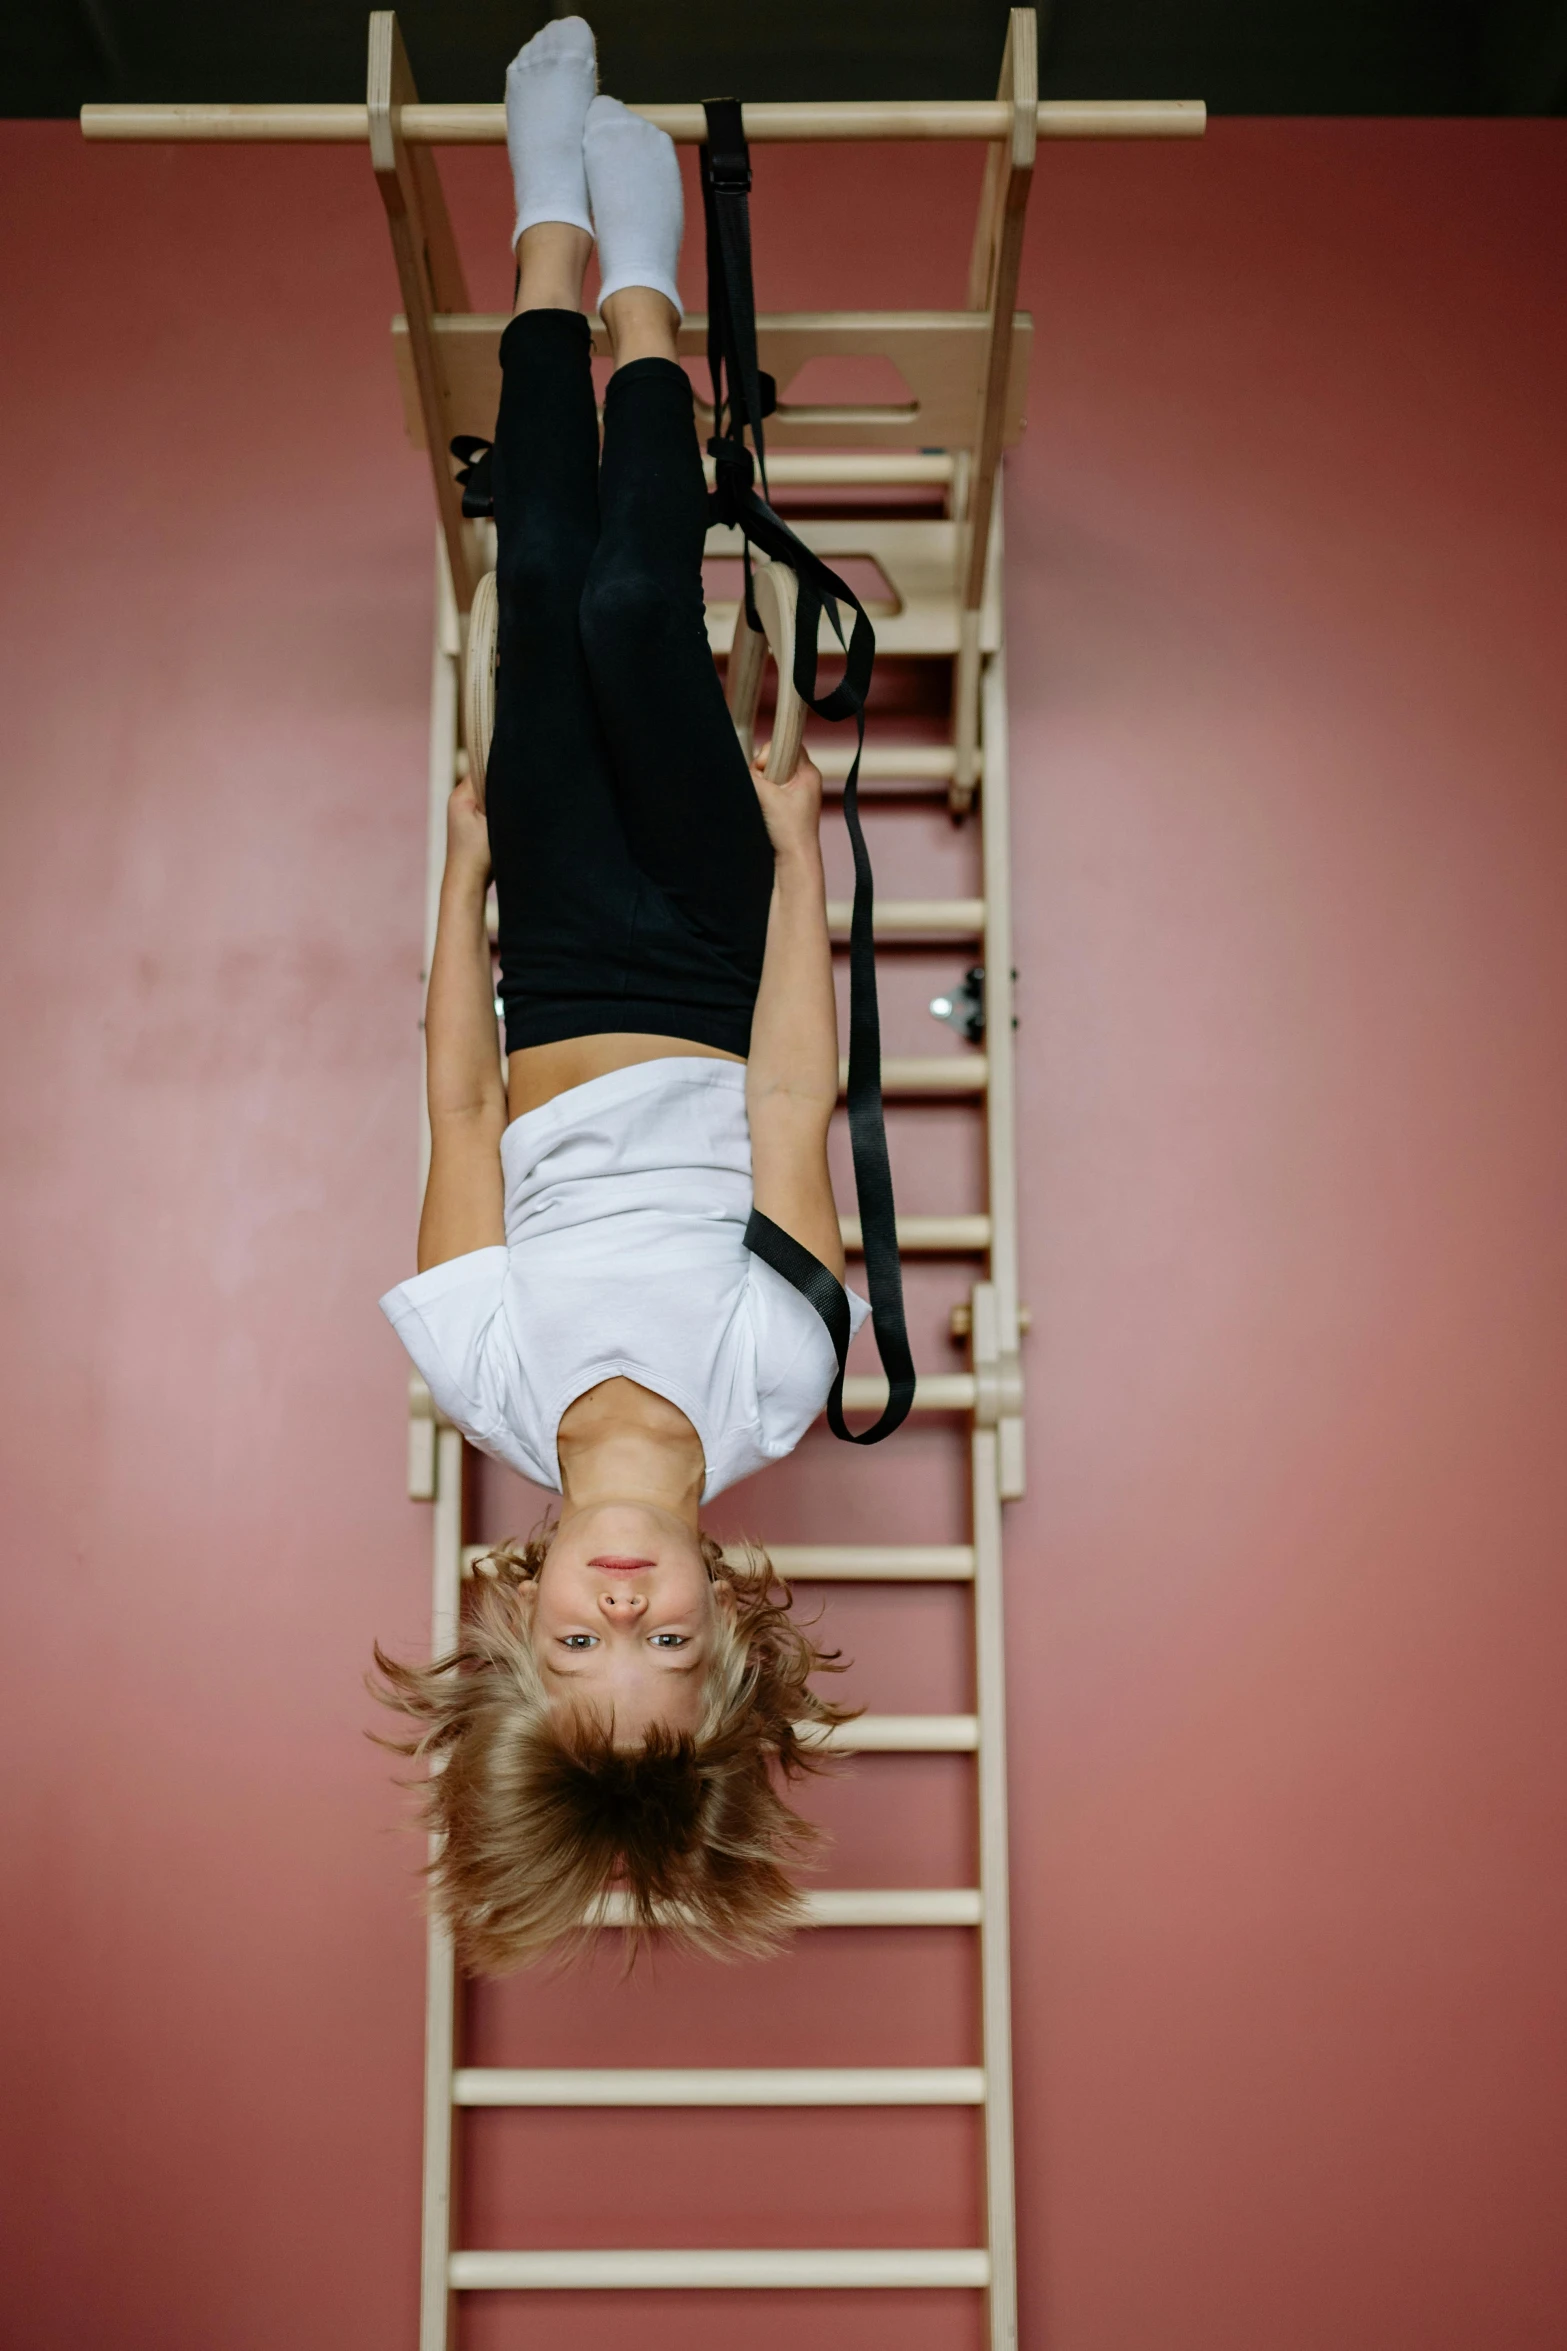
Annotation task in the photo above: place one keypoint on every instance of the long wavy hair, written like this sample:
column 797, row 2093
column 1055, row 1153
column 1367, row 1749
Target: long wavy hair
column 546, row 1832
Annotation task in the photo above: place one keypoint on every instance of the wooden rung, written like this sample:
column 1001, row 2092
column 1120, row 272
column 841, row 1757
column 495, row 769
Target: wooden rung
column 921, row 763
column 893, row 1906
column 793, row 2085
column 859, row 1906
column 927, row 1236
column 460, row 124
column 873, row 1563
column 929, row 1074
column 925, row 770
column 763, row 2268
column 841, row 1563
column 935, row 1391
column 870, row 469
column 915, row 918
column 898, row 1734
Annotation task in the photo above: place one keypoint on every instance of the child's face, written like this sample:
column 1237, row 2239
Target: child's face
column 623, row 1619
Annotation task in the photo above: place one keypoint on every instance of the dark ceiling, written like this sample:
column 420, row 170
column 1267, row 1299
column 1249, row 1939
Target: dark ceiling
column 1243, row 56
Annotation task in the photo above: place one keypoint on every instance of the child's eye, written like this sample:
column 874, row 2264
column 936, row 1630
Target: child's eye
column 669, row 1640
column 580, row 1640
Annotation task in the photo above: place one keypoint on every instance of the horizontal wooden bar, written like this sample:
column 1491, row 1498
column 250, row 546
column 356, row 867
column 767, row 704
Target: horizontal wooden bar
column 766, row 2269
column 915, row 918
column 892, row 1906
column 934, row 763
column 898, row 1734
column 766, row 121
column 793, row 2085
column 927, row 1236
column 874, row 1563
column 905, row 918
column 856, row 469
column 859, row 1906
column 896, row 918
column 927, row 1074
column 841, row 1563
column 935, row 1391
column 299, row 125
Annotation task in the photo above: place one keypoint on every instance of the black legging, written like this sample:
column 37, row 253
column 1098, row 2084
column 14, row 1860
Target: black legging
column 632, row 867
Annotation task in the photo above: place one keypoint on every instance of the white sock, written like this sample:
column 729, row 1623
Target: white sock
column 638, row 205
column 549, row 87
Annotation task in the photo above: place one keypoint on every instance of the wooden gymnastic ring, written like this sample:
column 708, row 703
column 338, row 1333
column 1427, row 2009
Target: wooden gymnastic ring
column 478, row 681
column 777, row 591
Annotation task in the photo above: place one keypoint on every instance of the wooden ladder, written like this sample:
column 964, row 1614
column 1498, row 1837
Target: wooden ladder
column 966, row 372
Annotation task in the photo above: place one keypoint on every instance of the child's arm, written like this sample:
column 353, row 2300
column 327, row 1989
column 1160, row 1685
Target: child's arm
column 463, row 1200
column 791, row 1084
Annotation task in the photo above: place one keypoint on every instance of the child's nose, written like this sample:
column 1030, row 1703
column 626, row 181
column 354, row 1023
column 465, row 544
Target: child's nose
column 626, row 1605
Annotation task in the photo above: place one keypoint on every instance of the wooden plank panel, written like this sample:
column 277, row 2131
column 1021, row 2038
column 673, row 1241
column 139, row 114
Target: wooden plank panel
column 941, row 355
column 922, row 563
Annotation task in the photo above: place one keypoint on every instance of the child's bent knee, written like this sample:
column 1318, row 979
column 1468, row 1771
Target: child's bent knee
column 625, row 614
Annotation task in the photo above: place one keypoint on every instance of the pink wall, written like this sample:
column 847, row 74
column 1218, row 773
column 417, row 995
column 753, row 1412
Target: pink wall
column 1286, row 574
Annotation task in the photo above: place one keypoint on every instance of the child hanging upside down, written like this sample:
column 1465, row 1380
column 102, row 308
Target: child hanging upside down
column 621, row 1700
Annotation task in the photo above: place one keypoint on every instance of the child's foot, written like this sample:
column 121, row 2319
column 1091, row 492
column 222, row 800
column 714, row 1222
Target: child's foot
column 638, row 206
column 549, row 87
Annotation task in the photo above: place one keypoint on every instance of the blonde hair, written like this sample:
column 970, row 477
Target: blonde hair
column 537, row 1814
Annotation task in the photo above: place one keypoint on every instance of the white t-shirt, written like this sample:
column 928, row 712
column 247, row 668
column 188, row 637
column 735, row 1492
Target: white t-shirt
column 626, row 1206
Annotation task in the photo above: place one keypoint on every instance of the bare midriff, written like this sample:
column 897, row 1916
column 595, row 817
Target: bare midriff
column 539, row 1072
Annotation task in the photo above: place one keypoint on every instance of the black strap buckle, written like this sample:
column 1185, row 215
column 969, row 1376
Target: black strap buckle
column 728, row 155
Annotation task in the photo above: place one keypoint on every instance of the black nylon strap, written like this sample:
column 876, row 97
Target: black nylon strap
column 742, row 396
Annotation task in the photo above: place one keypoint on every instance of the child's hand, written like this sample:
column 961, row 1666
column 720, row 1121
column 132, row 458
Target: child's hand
column 467, row 837
column 792, row 812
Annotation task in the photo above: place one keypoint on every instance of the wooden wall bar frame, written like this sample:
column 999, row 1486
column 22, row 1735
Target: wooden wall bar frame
column 967, row 372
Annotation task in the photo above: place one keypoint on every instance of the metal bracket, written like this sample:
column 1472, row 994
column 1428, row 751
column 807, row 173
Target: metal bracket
column 964, row 1008
column 998, row 1388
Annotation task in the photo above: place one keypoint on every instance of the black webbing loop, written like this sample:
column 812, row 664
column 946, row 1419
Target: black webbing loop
column 742, row 396
column 473, row 472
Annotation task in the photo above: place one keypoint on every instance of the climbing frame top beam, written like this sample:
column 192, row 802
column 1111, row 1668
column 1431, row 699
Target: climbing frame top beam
column 767, row 121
